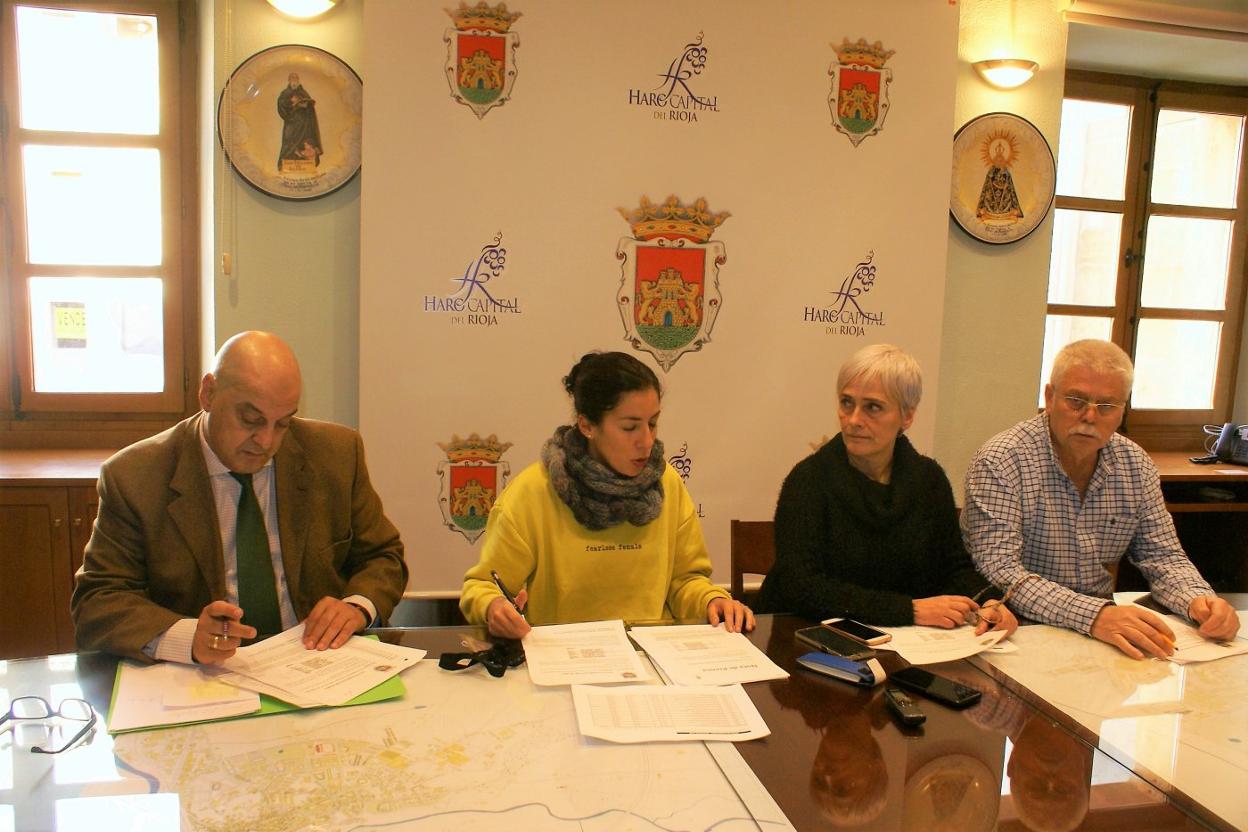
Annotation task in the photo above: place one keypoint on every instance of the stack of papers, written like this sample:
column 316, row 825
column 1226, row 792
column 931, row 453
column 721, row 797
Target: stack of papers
column 363, row 670
column 147, row 696
column 1189, row 645
column 593, row 653
column 705, row 664
column 648, row 713
column 700, row 654
column 283, row 668
column 930, row 645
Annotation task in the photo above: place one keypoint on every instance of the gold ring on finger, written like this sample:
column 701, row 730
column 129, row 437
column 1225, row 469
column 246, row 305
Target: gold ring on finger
column 219, row 642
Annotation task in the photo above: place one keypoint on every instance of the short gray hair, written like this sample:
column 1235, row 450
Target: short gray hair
column 895, row 369
column 1096, row 355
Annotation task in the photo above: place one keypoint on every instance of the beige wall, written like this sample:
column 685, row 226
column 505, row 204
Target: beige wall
column 295, row 265
column 995, row 294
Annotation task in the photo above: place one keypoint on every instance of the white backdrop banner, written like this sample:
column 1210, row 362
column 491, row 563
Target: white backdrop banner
column 740, row 195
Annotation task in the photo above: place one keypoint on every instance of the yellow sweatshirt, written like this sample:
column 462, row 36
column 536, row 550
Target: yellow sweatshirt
column 659, row 570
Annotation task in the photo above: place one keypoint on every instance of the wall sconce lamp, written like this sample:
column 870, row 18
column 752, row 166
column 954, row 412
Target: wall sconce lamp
column 303, row 9
column 1003, row 73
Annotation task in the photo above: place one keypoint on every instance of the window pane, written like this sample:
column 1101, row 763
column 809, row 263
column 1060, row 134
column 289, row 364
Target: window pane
column 87, row 71
column 1084, row 266
column 97, row 335
column 1060, row 330
column 1092, row 151
column 93, row 205
column 1197, row 158
column 1175, row 364
column 1186, row 263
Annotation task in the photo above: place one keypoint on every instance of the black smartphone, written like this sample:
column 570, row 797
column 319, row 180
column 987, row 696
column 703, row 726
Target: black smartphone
column 938, row 688
column 857, row 630
column 904, row 708
column 830, row 641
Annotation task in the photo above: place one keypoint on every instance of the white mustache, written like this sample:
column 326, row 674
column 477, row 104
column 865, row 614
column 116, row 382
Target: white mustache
column 1083, row 430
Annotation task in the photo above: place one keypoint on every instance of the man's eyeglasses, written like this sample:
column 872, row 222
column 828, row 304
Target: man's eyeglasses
column 1078, row 404
column 36, row 707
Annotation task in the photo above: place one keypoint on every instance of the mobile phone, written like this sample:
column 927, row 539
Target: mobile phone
column 857, row 630
column 864, row 674
column 906, row 709
column 832, row 642
column 942, row 690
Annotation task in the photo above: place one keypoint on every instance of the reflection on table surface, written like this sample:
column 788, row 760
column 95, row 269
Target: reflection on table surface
column 835, row 758
column 1183, row 728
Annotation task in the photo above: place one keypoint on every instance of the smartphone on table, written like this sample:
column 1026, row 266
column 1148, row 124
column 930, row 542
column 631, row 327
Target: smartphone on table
column 834, row 643
column 945, row 691
column 858, row 631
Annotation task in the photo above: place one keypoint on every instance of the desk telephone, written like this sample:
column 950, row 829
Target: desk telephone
column 1232, row 444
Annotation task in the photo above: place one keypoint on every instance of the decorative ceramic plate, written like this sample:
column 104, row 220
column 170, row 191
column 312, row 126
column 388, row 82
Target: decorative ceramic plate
column 1003, row 178
column 290, row 119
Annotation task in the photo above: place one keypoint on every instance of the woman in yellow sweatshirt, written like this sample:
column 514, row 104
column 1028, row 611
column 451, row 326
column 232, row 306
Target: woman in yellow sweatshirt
column 601, row 527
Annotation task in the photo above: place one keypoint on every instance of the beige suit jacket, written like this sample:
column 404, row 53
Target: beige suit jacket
column 155, row 552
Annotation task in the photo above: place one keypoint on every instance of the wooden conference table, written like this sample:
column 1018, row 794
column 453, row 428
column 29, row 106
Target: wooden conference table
column 835, row 758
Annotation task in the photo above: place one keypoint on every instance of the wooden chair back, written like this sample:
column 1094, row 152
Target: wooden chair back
column 752, row 550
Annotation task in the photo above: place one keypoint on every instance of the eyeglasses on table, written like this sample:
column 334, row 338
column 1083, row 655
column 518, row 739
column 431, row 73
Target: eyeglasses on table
column 36, row 707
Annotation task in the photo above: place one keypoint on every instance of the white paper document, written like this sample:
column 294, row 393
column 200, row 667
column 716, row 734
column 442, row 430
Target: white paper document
column 170, row 694
column 591, row 653
column 1189, row 645
column 282, row 667
column 931, row 645
column 649, row 713
column 699, row 654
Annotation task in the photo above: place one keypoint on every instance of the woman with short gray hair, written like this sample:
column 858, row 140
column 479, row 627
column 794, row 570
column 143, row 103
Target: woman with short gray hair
column 866, row 526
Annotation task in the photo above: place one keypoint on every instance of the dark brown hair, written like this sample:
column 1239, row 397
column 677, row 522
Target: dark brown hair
column 599, row 379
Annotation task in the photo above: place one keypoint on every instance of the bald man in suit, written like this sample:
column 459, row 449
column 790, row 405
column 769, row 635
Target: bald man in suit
column 161, row 574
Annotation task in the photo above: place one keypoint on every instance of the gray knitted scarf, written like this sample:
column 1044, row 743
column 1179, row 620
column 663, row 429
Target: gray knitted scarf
column 599, row 497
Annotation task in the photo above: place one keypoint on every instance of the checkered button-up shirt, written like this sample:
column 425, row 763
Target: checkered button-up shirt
column 1023, row 516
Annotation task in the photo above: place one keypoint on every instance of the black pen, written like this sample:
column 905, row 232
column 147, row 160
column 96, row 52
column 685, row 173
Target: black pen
column 498, row 582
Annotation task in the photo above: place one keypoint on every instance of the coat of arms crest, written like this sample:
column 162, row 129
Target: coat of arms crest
column 481, row 55
column 859, row 96
column 470, row 478
column 669, row 286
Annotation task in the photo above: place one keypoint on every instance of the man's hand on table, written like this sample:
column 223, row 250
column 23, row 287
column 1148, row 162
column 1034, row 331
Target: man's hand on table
column 1217, row 619
column 1133, row 630
column 331, row 622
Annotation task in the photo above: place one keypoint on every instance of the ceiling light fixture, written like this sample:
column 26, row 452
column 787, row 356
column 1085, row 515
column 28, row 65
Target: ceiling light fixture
column 303, row 9
column 1003, row 73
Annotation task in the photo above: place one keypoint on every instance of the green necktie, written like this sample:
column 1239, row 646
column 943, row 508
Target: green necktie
column 257, row 590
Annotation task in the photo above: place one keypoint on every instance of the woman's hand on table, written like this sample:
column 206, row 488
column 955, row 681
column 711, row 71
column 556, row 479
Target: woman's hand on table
column 737, row 617
column 946, row 611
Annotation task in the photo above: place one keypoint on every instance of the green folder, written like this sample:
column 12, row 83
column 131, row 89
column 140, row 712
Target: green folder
column 392, row 688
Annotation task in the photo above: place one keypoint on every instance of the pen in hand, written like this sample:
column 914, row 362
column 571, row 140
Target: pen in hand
column 498, row 582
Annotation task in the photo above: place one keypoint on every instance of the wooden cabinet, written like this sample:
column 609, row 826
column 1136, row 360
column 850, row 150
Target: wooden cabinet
column 1210, row 508
column 48, row 504
column 1209, row 504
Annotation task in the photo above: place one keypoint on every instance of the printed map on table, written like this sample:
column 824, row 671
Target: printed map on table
column 461, row 751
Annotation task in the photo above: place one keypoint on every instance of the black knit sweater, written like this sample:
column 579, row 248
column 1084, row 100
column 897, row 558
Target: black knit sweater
column 849, row 546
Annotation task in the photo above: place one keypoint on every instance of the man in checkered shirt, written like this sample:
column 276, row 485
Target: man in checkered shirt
column 1055, row 501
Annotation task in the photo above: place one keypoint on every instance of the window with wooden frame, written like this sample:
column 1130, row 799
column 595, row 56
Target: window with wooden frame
column 1148, row 243
column 100, row 297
